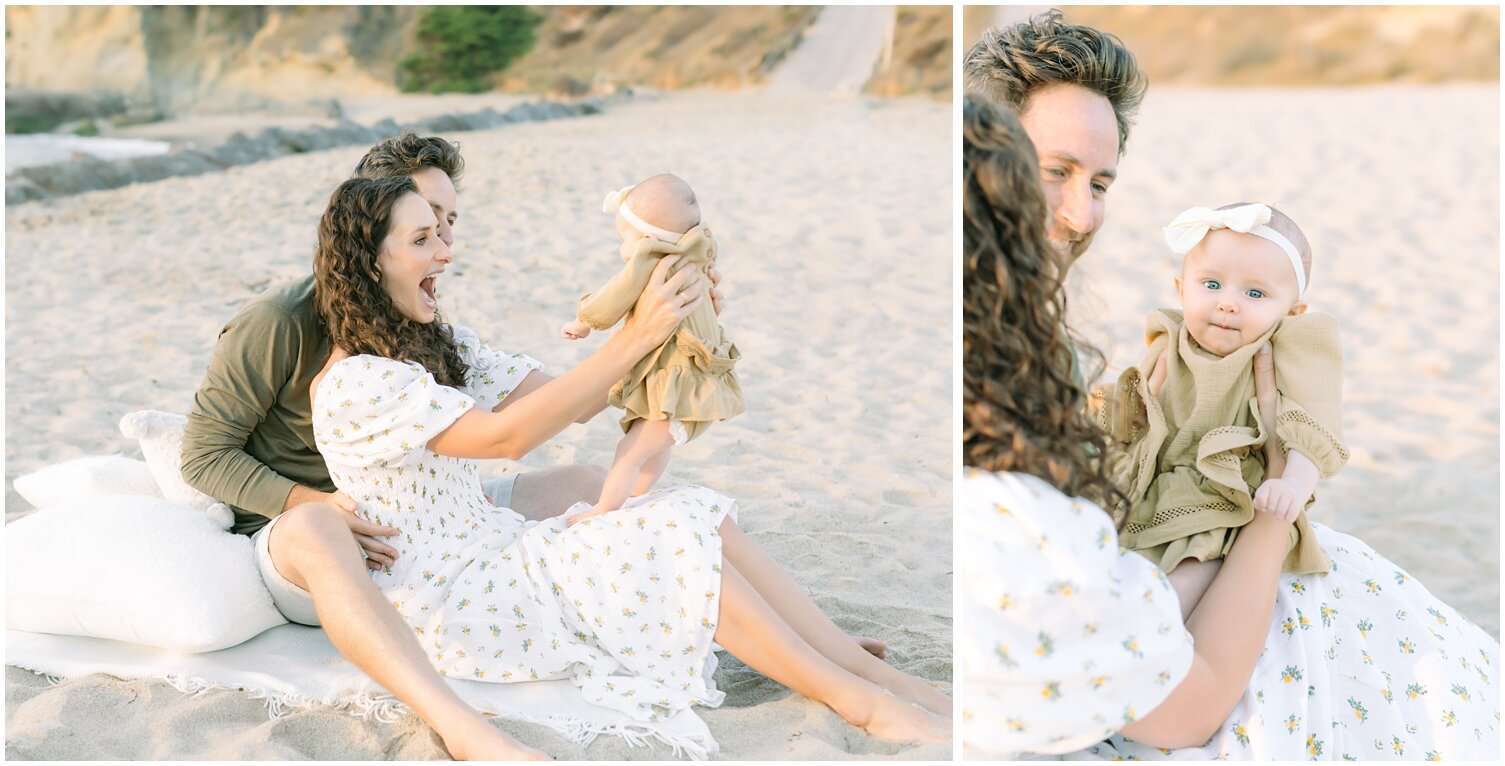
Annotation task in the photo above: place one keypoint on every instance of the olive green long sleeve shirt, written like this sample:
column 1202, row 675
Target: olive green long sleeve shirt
column 250, row 436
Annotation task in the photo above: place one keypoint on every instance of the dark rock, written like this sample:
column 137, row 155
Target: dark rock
column 84, row 173
column 448, row 123
column 240, row 150
column 170, row 165
column 385, row 129
column 18, row 190
column 524, row 113
column 81, row 174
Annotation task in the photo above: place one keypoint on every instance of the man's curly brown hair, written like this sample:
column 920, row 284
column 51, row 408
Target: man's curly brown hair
column 354, row 308
column 1022, row 410
column 1010, row 63
column 409, row 153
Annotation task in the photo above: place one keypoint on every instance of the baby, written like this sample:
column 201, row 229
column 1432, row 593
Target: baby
column 1190, row 459
column 674, row 392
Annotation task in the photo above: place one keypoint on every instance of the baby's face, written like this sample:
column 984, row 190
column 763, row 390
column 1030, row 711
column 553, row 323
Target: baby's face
column 626, row 231
column 1234, row 287
column 628, row 234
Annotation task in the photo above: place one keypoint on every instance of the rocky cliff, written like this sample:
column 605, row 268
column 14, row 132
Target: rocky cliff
column 218, row 59
column 181, row 59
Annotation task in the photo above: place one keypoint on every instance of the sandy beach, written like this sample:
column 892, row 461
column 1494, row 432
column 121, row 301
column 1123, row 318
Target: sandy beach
column 834, row 217
column 1397, row 188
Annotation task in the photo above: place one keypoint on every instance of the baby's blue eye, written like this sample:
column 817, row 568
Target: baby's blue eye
column 1255, row 294
column 1211, row 284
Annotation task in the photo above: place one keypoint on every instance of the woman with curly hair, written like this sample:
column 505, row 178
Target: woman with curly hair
column 406, row 406
column 1069, row 643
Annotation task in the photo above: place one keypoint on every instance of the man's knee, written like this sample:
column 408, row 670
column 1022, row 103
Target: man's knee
column 584, row 478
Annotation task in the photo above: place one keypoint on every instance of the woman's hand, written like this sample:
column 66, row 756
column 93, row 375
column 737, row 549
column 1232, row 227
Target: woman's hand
column 1157, row 375
column 665, row 302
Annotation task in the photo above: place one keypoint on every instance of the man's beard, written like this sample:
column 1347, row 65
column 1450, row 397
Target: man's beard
column 1068, row 250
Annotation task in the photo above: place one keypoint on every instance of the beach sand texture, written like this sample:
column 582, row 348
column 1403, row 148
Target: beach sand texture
column 1397, row 188
column 834, row 218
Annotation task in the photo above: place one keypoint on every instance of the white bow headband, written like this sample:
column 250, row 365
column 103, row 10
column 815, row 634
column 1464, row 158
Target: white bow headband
column 616, row 202
column 1192, row 225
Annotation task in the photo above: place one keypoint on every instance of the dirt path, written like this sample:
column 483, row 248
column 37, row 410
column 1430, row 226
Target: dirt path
column 839, row 52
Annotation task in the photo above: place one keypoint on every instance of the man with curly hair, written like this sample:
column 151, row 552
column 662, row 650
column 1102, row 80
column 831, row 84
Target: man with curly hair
column 1075, row 90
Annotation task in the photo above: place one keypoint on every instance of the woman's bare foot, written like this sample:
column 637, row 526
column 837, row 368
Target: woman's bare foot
column 477, row 740
column 891, row 719
column 872, row 646
column 920, row 692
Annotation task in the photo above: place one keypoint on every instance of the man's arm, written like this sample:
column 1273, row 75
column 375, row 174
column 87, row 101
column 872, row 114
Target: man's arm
column 253, row 359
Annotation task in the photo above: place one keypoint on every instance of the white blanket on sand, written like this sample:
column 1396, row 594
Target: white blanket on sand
column 294, row 667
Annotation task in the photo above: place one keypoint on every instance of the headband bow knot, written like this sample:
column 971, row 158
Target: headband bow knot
column 616, row 202
column 1193, row 224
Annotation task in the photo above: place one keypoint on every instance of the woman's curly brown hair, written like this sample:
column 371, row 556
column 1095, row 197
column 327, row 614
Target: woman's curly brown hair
column 1021, row 408
column 354, row 308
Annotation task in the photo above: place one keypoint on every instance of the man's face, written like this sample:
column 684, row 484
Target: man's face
column 434, row 185
column 1076, row 136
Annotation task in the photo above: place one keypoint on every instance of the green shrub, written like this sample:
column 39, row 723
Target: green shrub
column 460, row 46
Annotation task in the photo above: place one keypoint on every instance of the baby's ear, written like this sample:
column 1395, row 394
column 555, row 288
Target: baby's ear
column 1178, row 285
column 1298, row 309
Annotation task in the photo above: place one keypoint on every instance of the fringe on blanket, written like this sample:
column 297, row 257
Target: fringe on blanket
column 388, row 709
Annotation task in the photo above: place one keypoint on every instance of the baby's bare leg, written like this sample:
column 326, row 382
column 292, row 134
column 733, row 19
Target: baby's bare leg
column 1191, row 579
column 652, row 469
column 644, row 441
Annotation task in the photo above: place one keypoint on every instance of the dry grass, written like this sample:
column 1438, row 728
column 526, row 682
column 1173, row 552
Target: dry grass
column 1288, row 46
column 921, row 62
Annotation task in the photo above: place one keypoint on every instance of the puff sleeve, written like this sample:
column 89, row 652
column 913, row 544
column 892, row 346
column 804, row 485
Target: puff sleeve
column 1309, row 376
column 373, row 411
column 605, row 307
column 1064, row 640
column 493, row 374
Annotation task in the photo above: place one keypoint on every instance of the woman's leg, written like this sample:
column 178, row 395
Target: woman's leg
column 753, row 633
column 785, row 597
column 774, row 584
column 312, row 548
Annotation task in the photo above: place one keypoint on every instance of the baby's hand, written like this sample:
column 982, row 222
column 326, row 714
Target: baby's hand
column 1280, row 498
column 575, row 330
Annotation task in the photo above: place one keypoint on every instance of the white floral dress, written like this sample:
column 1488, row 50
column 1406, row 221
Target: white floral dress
column 1360, row 663
column 1063, row 640
column 624, row 605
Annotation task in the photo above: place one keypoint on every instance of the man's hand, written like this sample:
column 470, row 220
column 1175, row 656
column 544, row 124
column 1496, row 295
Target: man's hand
column 575, row 329
column 1281, row 498
column 378, row 554
column 717, row 297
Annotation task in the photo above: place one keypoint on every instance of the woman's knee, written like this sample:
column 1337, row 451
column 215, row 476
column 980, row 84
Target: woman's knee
column 311, row 529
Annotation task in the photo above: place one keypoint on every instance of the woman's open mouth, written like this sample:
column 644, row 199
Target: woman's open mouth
column 429, row 286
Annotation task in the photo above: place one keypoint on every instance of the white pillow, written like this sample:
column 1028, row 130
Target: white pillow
column 161, row 437
column 86, row 476
column 131, row 568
